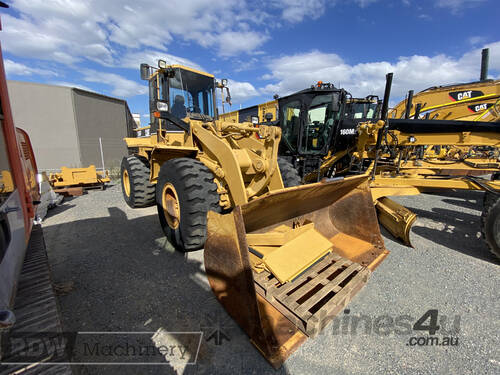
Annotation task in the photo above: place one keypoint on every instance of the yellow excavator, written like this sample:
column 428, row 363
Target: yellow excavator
column 282, row 261
column 472, row 101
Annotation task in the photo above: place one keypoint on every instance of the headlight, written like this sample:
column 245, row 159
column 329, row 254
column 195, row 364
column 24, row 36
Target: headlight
column 162, row 106
column 162, row 64
column 224, row 82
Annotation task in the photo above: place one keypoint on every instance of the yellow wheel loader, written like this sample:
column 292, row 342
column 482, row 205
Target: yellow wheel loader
column 283, row 260
column 190, row 163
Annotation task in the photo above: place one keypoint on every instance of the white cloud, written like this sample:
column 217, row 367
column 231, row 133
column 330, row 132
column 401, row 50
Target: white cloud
column 473, row 58
column 457, row 5
column 71, row 84
column 69, row 31
column 232, row 43
column 132, row 60
column 297, row 10
column 296, row 72
column 13, row 68
column 364, row 3
column 475, row 40
column 120, row 86
column 241, row 91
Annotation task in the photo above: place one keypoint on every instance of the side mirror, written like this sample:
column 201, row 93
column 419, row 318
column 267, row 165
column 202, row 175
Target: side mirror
column 144, row 71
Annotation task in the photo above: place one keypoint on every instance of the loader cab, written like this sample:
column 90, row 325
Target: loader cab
column 179, row 91
column 308, row 119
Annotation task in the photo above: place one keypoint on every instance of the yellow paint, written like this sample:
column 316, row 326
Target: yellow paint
column 6, row 182
column 294, row 257
column 78, row 176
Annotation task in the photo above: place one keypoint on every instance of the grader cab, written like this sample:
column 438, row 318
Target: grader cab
column 282, row 261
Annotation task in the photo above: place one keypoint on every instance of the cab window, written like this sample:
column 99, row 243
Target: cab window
column 191, row 92
column 319, row 123
column 290, row 119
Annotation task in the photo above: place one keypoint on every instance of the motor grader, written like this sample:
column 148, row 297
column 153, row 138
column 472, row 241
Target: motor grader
column 282, row 261
column 411, row 155
column 396, row 154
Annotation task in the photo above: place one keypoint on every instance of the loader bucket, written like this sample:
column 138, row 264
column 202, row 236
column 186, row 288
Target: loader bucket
column 283, row 265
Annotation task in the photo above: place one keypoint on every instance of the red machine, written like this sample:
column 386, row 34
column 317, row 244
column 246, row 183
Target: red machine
column 18, row 196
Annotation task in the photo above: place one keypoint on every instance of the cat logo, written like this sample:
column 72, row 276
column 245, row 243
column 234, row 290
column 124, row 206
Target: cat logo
column 479, row 107
column 462, row 95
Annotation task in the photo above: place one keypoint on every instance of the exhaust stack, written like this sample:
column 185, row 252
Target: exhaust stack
column 485, row 57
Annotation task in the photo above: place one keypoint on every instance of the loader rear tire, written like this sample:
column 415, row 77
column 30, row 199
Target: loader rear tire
column 136, row 188
column 490, row 222
column 289, row 174
column 185, row 192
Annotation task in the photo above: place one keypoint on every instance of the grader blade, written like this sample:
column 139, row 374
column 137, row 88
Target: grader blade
column 283, row 265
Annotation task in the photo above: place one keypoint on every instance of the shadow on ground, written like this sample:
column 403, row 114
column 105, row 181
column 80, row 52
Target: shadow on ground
column 58, row 209
column 125, row 275
column 454, row 228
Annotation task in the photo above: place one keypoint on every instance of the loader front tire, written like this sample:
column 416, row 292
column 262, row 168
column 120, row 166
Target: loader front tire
column 185, row 192
column 289, row 174
column 136, row 188
column 490, row 222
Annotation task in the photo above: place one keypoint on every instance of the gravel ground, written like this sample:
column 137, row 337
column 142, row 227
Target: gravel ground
column 127, row 277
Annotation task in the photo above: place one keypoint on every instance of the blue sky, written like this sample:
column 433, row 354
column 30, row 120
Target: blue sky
column 263, row 47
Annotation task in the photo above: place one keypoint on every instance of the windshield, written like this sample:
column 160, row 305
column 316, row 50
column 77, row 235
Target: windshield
column 191, row 92
column 319, row 123
column 365, row 110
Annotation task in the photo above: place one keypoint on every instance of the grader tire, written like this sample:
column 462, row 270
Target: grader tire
column 289, row 174
column 490, row 222
column 136, row 188
column 185, row 192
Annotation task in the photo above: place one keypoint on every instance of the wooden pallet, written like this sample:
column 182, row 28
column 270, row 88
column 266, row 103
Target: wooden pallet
column 316, row 296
